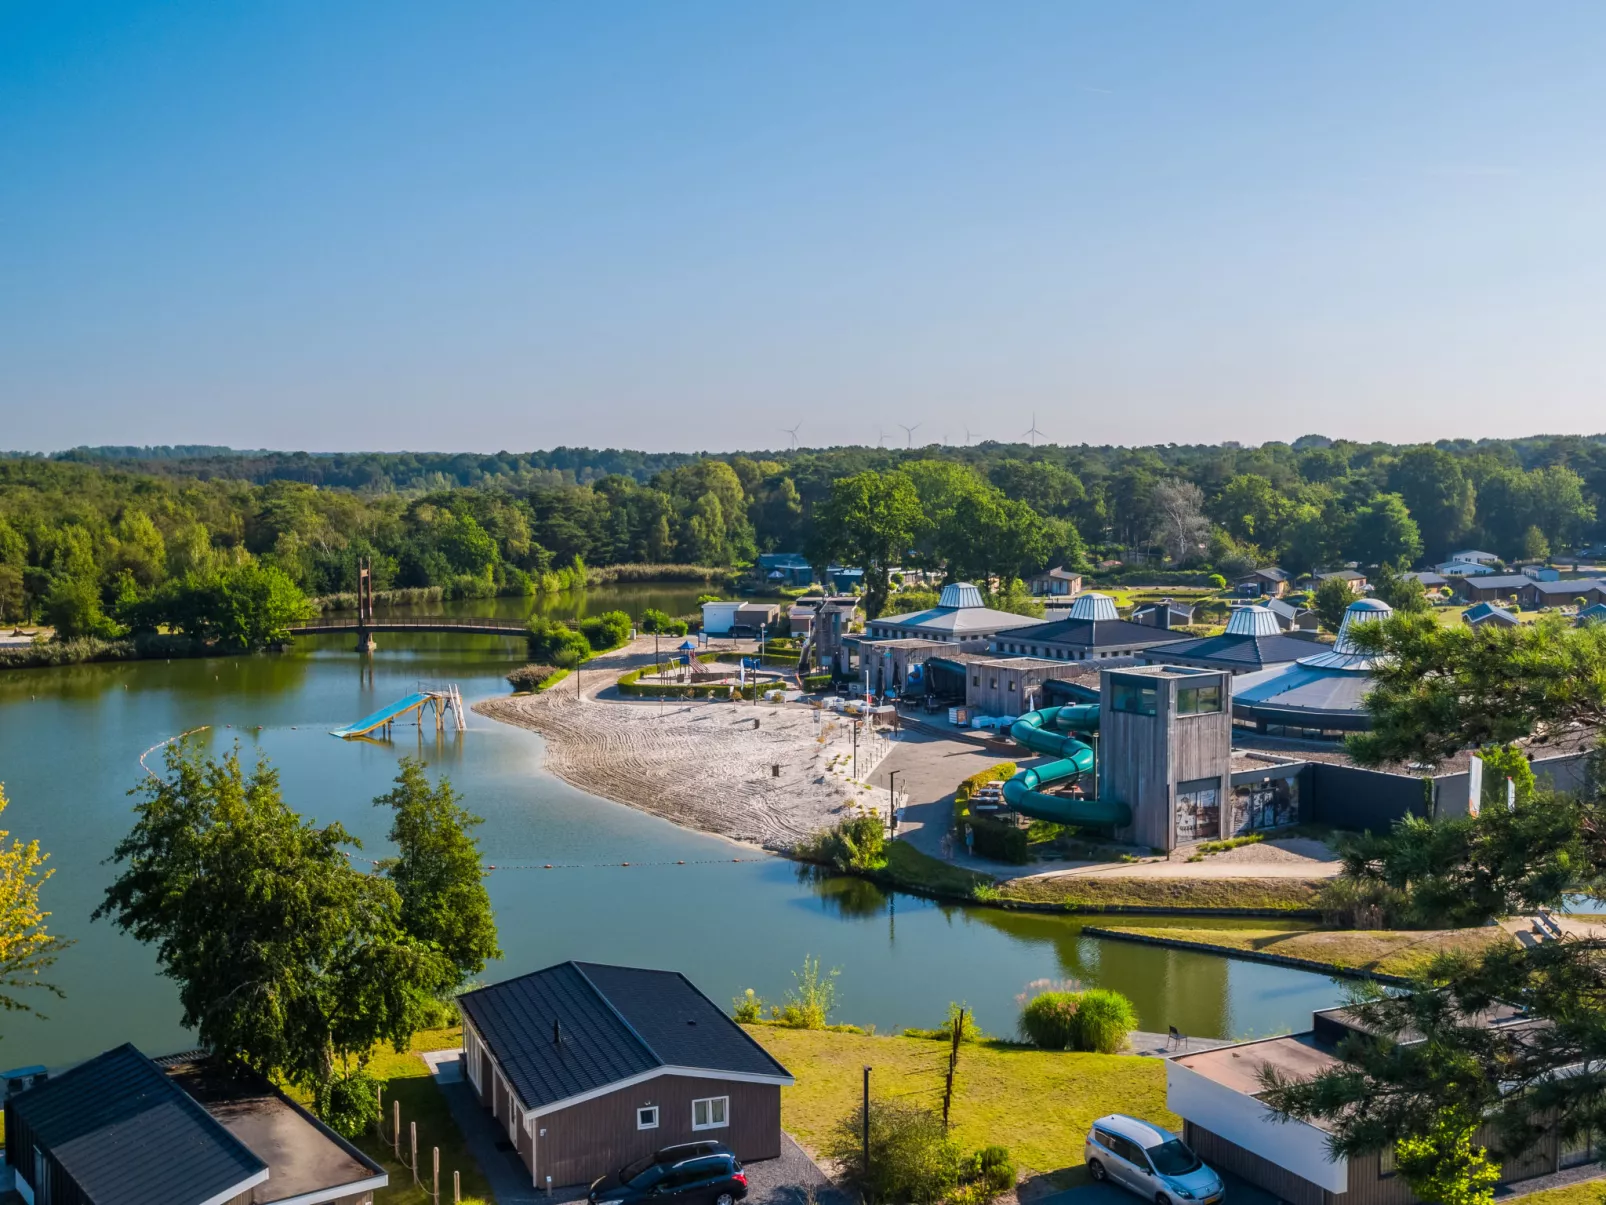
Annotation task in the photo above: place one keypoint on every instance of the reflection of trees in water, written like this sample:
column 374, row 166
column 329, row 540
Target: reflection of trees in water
column 1168, row 987
column 845, row 895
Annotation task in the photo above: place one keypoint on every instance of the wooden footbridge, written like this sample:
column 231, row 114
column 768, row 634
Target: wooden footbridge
column 365, row 624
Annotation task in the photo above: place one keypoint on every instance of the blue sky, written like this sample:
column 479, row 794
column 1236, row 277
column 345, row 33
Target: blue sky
column 689, row 225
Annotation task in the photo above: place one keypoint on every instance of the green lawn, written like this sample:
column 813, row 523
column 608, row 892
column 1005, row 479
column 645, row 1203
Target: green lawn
column 1037, row 1103
column 1104, row 891
column 407, row 1080
column 1388, row 952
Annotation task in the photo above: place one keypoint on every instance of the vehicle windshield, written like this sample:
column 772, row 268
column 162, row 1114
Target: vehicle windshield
column 1173, row 1158
column 640, row 1173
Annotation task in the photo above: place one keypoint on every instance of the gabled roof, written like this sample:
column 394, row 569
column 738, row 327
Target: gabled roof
column 1486, row 612
column 956, row 620
column 1430, row 579
column 128, row 1135
column 1503, row 581
column 614, row 1024
column 1089, row 633
column 1270, row 572
column 1060, row 573
column 1341, row 575
column 1569, row 589
column 1473, row 554
column 1592, row 614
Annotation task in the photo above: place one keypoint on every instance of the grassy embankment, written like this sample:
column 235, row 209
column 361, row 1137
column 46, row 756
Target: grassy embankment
column 910, row 870
column 1038, row 1103
column 407, row 1079
column 1382, row 952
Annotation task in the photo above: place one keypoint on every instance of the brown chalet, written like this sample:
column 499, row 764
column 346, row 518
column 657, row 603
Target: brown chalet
column 588, row 1067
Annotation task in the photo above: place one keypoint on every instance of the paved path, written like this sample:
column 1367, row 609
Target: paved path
column 1239, row 1192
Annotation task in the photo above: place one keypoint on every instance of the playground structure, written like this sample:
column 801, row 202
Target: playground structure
column 440, row 700
column 1057, row 732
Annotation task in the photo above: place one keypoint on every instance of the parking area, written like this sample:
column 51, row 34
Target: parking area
column 1239, row 1192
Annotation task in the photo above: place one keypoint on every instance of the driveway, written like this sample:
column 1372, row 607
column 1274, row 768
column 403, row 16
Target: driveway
column 1239, row 1192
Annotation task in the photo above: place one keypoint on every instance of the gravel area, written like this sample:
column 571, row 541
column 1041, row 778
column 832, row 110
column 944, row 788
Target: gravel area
column 793, row 1179
column 709, row 766
column 1289, row 850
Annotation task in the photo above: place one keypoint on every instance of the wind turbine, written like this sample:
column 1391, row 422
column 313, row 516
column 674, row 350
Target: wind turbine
column 910, row 432
column 880, row 438
column 792, row 431
column 969, row 435
column 1032, row 430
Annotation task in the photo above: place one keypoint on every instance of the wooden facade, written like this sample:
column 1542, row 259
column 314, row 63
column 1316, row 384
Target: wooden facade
column 1143, row 759
column 574, row 1143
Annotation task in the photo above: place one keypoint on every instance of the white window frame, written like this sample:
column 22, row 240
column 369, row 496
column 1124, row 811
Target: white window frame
column 653, row 1109
column 725, row 1109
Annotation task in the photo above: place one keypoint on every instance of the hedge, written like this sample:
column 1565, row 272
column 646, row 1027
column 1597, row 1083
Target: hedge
column 991, row 838
column 631, row 686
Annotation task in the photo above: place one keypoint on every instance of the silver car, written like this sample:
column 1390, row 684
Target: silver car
column 1151, row 1161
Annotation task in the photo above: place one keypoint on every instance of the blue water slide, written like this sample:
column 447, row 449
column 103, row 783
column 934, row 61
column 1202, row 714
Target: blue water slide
column 1052, row 731
column 383, row 716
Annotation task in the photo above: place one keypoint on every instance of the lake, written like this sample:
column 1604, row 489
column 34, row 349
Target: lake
column 730, row 917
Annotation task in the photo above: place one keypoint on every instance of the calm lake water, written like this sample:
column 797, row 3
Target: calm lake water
column 70, row 742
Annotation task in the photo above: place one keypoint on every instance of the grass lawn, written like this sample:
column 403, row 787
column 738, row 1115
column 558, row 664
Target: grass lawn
column 1037, row 1103
column 908, row 868
column 1093, row 892
column 407, row 1079
column 1586, row 1192
column 1388, row 952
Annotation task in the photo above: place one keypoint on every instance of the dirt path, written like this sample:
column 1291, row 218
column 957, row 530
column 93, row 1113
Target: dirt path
column 709, row 766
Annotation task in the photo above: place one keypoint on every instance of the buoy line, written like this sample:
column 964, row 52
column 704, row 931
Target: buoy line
column 168, row 741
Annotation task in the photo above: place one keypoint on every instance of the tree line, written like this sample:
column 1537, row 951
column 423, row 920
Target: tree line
column 100, row 531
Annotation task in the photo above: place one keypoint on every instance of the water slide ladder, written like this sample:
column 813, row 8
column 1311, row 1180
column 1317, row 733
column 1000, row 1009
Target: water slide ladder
column 439, row 699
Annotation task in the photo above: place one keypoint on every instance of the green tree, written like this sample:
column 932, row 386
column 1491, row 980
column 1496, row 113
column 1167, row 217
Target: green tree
column 1437, row 493
column 1383, row 531
column 869, row 520
column 437, row 872
column 1534, row 545
column 286, row 957
column 1439, row 688
column 1333, row 598
column 1445, row 1167
column 1253, row 511
column 1402, row 591
column 27, row 947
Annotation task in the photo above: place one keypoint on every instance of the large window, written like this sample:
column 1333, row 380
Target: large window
column 1199, row 700
column 1133, row 696
column 1198, row 809
column 710, row 1114
column 1270, row 804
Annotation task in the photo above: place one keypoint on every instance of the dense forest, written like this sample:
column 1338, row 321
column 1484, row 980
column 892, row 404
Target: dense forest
column 120, row 525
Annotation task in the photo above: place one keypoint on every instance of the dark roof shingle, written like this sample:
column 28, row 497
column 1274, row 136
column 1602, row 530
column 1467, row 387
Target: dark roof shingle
column 1235, row 649
column 615, row 1022
column 128, row 1135
column 1088, row 633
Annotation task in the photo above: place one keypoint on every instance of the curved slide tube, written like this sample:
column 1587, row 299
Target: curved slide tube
column 1048, row 731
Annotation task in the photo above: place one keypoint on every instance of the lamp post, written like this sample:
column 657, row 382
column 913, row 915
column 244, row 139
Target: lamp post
column 855, row 750
column 892, row 801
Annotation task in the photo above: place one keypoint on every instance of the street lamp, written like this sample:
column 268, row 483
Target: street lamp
column 855, row 750
column 892, row 802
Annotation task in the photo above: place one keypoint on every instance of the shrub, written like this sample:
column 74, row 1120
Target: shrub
column 1219, row 582
column 911, row 1158
column 945, row 1032
column 1049, row 1020
column 606, row 631
column 349, row 1102
column 555, row 643
column 999, row 841
column 531, row 677
column 817, row 682
column 748, row 1008
column 1348, row 903
column 1103, row 1020
column 654, row 620
column 858, row 844
column 809, row 1005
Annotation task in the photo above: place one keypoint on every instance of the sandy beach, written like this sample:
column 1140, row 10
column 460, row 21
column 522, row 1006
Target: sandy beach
column 703, row 765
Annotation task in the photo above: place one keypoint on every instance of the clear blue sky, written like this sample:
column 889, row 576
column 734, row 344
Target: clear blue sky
column 688, row 225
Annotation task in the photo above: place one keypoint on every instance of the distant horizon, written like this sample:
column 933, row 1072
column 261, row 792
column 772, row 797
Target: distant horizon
column 193, row 451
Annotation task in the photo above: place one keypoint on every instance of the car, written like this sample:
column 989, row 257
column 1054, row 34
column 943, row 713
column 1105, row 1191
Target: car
column 1151, row 1161
column 692, row 1173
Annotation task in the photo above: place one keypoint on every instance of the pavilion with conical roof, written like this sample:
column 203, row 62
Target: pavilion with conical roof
column 1254, row 640
column 1318, row 695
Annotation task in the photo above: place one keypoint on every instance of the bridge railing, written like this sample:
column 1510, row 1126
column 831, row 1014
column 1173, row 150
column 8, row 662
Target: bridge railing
column 354, row 624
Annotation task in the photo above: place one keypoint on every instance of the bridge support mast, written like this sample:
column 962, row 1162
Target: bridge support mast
column 365, row 606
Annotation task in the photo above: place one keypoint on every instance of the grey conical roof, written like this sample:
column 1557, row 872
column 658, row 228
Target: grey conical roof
column 1253, row 621
column 960, row 594
column 1093, row 605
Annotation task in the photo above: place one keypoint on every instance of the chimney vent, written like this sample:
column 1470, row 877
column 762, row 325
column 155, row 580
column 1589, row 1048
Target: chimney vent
column 557, row 1033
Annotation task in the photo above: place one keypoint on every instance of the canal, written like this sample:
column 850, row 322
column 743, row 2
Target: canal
column 729, row 917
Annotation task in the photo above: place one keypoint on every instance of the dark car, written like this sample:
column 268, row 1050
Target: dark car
column 694, row 1173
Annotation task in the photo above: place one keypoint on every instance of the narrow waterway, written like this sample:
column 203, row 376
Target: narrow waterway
column 729, row 917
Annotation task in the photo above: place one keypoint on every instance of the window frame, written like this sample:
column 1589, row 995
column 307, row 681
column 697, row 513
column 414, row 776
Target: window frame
column 1195, row 692
column 725, row 1113
column 643, row 1109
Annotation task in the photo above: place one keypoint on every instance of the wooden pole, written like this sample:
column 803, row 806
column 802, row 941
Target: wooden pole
column 395, row 1138
column 457, row 1188
column 412, row 1132
column 953, row 1062
column 866, row 1128
column 436, row 1193
column 379, row 1117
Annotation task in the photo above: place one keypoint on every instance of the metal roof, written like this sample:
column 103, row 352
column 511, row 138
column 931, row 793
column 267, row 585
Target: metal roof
column 128, row 1135
column 1235, row 649
column 614, row 1023
column 1086, row 633
column 957, row 620
column 1093, row 605
column 1484, row 612
column 1253, row 621
column 959, row 594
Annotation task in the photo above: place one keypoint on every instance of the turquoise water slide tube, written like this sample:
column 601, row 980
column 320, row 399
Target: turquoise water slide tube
column 1049, row 730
